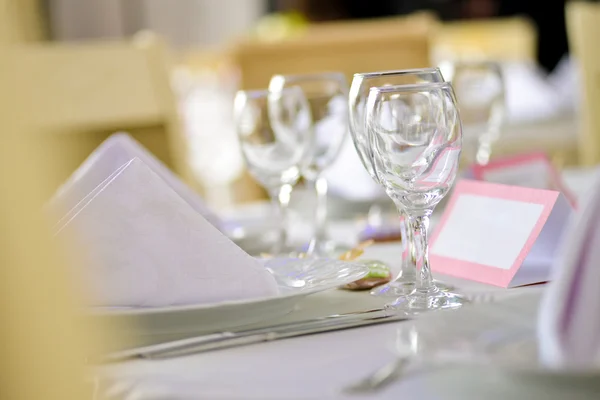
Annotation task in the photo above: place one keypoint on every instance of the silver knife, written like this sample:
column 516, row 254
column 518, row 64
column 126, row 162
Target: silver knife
column 223, row 340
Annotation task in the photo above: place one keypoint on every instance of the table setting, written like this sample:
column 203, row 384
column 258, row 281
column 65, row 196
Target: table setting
column 468, row 273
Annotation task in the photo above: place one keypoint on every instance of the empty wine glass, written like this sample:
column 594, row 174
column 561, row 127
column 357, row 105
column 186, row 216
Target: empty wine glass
column 327, row 94
column 359, row 91
column 415, row 137
column 272, row 128
column 480, row 92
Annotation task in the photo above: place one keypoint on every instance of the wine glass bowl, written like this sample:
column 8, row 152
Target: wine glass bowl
column 326, row 96
column 417, row 152
column 480, row 91
column 359, row 92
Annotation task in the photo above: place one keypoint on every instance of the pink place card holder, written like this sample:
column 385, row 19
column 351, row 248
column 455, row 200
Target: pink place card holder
column 533, row 170
column 499, row 234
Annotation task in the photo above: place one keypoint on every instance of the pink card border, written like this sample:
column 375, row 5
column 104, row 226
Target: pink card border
column 479, row 272
column 499, row 163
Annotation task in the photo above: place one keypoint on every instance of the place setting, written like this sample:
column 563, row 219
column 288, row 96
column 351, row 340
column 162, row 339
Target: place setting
column 284, row 200
column 157, row 261
column 154, row 254
column 157, row 255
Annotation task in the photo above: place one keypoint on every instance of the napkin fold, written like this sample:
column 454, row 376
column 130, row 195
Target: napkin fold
column 569, row 320
column 143, row 245
column 113, row 153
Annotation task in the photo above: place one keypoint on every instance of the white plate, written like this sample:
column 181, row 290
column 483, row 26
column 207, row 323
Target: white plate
column 150, row 325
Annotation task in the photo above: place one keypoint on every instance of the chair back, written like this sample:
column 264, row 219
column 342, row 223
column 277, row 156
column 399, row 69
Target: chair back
column 348, row 47
column 71, row 97
column 583, row 29
column 502, row 39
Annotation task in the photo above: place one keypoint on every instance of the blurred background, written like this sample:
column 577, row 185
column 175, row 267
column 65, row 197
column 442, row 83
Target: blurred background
column 73, row 72
column 107, row 53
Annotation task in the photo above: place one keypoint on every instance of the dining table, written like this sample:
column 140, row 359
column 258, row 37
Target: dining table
column 323, row 366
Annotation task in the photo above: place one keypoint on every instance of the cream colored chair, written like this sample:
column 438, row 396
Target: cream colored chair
column 506, row 39
column 348, row 47
column 73, row 96
column 21, row 21
column 583, row 27
column 44, row 347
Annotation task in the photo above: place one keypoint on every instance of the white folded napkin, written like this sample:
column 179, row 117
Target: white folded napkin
column 569, row 317
column 114, row 152
column 143, row 245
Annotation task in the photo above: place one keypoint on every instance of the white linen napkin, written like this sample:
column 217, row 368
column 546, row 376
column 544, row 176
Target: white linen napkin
column 142, row 245
column 114, row 152
column 569, row 317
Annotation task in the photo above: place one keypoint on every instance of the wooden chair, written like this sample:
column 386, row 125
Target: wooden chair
column 349, row 47
column 504, row 39
column 44, row 346
column 583, row 28
column 21, row 21
column 73, row 96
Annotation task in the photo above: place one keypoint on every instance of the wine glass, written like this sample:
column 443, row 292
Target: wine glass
column 359, row 91
column 480, row 92
column 272, row 129
column 327, row 94
column 415, row 138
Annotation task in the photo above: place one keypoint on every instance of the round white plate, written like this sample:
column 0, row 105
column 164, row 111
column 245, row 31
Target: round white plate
column 150, row 325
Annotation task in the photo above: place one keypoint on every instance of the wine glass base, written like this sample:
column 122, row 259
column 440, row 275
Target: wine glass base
column 393, row 289
column 419, row 302
column 399, row 288
column 444, row 287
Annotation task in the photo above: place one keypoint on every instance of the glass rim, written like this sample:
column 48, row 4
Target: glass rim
column 399, row 72
column 413, row 87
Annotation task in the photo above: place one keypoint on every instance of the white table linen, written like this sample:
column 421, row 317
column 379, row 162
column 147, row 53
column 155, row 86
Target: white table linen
column 319, row 366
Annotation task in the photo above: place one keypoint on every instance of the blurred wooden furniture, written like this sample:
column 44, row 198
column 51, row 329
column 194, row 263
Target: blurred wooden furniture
column 349, row 47
column 499, row 39
column 73, row 96
column 21, row 21
column 43, row 346
column 583, row 28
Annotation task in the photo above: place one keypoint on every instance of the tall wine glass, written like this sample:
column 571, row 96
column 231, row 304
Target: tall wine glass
column 416, row 138
column 327, row 94
column 272, row 128
column 359, row 91
column 480, row 92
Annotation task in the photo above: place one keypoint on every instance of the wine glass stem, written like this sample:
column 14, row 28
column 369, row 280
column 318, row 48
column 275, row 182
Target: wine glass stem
column 419, row 225
column 280, row 198
column 316, row 246
column 408, row 269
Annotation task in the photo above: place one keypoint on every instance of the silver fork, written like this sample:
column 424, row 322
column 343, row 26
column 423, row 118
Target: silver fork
column 414, row 364
column 382, row 377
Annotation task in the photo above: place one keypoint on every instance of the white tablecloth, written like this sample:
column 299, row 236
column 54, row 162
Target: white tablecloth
column 318, row 366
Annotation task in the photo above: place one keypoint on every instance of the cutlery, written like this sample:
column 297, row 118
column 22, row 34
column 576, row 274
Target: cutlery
column 484, row 343
column 224, row 340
